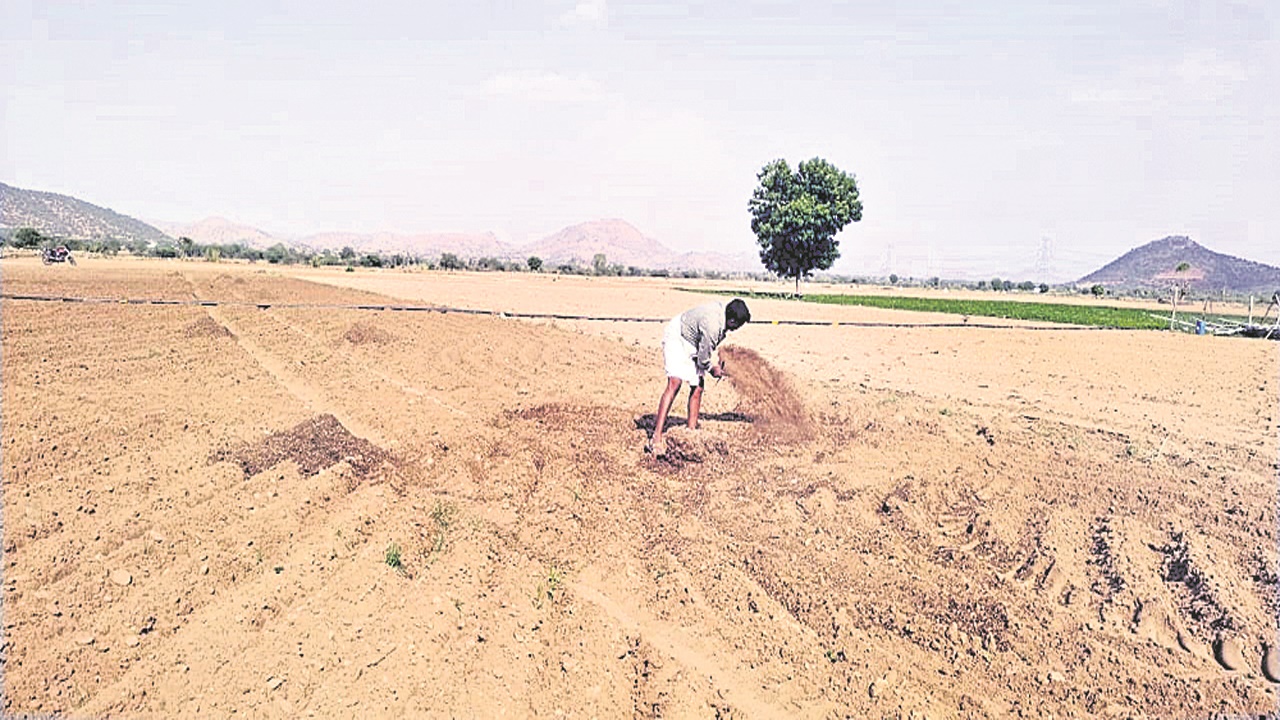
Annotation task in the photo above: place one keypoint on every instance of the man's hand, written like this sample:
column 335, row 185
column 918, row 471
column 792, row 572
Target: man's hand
column 717, row 370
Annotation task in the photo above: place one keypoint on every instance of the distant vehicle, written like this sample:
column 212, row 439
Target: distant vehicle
column 57, row 254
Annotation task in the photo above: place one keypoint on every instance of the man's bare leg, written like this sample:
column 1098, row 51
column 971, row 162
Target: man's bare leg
column 695, row 404
column 664, row 407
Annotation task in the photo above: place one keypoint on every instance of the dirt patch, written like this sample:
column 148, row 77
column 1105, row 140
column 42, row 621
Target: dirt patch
column 767, row 394
column 314, row 445
column 1194, row 591
column 206, row 327
column 686, row 446
column 522, row 553
column 367, row 334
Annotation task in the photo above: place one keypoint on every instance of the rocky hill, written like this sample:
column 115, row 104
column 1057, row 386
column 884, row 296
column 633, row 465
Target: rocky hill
column 1157, row 264
column 623, row 244
column 219, row 231
column 67, row 217
column 620, row 242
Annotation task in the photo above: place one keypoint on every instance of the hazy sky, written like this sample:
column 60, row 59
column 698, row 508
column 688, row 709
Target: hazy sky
column 1038, row 140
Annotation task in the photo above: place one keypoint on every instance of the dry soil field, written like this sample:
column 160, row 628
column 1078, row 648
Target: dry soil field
column 326, row 512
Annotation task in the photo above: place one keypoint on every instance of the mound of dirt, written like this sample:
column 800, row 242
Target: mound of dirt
column 688, row 446
column 314, row 445
column 767, row 395
column 206, row 327
column 367, row 334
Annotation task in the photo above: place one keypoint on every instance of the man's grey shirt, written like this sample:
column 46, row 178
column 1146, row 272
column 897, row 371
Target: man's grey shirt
column 703, row 327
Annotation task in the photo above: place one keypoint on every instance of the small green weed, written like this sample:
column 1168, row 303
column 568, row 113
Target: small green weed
column 547, row 589
column 442, row 515
column 392, row 557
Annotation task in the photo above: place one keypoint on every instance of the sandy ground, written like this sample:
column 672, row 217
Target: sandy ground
column 322, row 512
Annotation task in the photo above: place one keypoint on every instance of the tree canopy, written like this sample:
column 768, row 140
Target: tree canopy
column 796, row 215
column 28, row 238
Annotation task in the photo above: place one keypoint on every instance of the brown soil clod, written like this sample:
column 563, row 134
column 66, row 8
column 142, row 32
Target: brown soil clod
column 1228, row 653
column 1271, row 663
column 1189, row 643
column 206, row 327
column 684, row 446
column 314, row 444
column 363, row 333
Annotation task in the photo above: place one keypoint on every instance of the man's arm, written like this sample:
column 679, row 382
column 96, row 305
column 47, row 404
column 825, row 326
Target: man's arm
column 705, row 347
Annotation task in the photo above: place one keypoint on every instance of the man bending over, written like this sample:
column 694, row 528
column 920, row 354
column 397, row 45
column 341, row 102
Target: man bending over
column 687, row 344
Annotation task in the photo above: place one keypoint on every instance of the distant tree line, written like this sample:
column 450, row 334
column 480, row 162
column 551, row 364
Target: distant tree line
column 600, row 267
column 185, row 247
column 281, row 254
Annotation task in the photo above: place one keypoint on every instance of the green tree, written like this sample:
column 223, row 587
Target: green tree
column 277, row 253
column 1098, row 290
column 997, row 284
column 27, row 238
column 187, row 246
column 535, row 263
column 893, row 279
column 796, row 216
column 449, row 261
column 347, row 253
column 1044, row 288
column 599, row 264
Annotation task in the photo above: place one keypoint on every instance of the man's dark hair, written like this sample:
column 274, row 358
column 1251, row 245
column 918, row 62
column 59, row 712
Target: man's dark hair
column 736, row 314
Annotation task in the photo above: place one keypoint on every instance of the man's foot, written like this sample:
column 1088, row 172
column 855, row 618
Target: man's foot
column 657, row 448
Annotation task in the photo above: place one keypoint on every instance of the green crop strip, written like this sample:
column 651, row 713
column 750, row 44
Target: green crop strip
column 1045, row 312
column 1089, row 315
